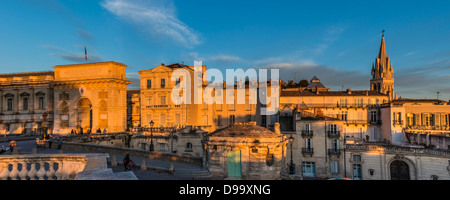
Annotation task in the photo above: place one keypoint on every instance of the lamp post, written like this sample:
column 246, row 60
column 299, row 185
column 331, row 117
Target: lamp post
column 291, row 165
column 151, row 135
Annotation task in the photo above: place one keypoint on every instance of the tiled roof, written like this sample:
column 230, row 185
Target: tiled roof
column 405, row 100
column 243, row 130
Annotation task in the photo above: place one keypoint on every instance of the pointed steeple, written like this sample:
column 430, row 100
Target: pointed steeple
column 382, row 73
column 382, row 54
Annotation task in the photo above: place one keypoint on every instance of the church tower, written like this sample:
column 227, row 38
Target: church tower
column 382, row 75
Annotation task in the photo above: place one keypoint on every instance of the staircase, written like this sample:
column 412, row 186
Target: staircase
column 194, row 174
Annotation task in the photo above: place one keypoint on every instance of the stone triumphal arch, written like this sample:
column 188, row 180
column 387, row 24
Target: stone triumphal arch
column 90, row 96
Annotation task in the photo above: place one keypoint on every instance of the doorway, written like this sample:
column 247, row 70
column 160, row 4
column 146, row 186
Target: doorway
column 84, row 111
column 234, row 164
column 399, row 170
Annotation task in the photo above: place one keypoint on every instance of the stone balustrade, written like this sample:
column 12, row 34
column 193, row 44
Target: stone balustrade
column 41, row 166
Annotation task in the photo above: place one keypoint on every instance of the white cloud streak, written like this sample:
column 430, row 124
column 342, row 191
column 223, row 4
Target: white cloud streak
column 156, row 18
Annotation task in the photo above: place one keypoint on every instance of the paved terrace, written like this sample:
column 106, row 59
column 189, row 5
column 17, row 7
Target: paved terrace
column 157, row 164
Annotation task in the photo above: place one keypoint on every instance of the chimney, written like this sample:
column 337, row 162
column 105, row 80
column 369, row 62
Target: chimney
column 367, row 92
column 162, row 64
column 349, row 91
column 276, row 127
column 317, row 90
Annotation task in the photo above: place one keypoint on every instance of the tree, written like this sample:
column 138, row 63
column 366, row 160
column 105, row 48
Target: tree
column 303, row 83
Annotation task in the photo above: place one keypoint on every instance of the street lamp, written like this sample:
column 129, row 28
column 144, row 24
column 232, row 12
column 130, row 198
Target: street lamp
column 151, row 135
column 292, row 165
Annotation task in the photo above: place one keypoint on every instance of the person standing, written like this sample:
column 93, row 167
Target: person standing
column 126, row 162
column 12, row 145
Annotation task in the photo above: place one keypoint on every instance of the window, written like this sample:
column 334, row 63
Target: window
column 308, row 143
column 334, row 167
column 188, row 147
column 149, row 101
column 373, row 116
column 263, row 120
column 231, row 106
column 356, row 158
column 149, row 119
column 409, row 119
column 25, row 103
column 371, row 172
column 332, row 128
column 335, row 145
column 248, row 106
column 149, row 84
column 163, row 83
column 219, row 120
column 163, row 100
column 248, row 118
column 9, row 104
column 162, row 147
column 205, row 120
column 218, row 105
column 343, row 115
column 307, row 127
column 360, row 102
column 177, row 119
column 343, row 102
column 41, row 103
column 232, row 120
column 163, row 119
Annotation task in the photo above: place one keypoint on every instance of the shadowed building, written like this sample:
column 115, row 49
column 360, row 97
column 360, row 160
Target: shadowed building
column 246, row 151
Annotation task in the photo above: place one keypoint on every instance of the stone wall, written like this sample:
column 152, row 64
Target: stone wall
column 132, row 152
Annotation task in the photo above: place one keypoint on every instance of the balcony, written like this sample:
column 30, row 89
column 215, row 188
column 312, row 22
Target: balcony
column 307, row 151
column 356, row 122
column 307, row 133
column 341, row 105
column 335, row 152
column 375, row 122
column 334, row 134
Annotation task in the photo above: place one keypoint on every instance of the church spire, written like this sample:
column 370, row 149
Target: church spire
column 382, row 73
column 382, row 54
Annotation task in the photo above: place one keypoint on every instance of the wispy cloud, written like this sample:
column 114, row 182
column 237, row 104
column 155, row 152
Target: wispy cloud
column 156, row 18
column 85, row 35
column 330, row 36
column 225, row 58
column 73, row 57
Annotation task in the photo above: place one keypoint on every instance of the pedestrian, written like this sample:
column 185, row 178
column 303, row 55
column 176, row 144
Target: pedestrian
column 99, row 130
column 104, row 131
column 126, row 162
column 71, row 132
column 12, row 145
column 132, row 165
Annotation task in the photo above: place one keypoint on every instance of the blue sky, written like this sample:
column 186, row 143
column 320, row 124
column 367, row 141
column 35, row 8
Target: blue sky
column 335, row 40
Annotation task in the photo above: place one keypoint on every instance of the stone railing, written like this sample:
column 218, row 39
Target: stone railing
column 397, row 149
column 41, row 167
column 83, row 147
